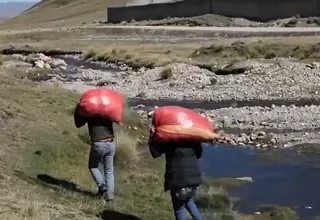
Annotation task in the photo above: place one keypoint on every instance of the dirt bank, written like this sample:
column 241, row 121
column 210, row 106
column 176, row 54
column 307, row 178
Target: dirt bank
column 223, row 21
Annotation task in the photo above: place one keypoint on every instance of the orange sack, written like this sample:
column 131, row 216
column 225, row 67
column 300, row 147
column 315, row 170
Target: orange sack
column 174, row 123
column 104, row 103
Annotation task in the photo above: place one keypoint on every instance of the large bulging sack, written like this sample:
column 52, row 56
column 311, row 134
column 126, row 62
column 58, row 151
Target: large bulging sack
column 104, row 103
column 174, row 123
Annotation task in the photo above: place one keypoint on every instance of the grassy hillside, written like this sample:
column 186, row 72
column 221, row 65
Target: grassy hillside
column 43, row 163
column 55, row 13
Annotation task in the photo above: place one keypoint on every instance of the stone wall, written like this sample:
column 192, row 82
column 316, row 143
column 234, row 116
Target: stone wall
column 259, row 10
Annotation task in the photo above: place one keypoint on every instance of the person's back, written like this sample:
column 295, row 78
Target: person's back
column 182, row 165
column 100, row 128
column 102, row 151
column 182, row 176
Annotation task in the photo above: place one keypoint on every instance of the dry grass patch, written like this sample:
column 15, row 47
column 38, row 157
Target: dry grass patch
column 28, row 203
column 259, row 49
column 128, row 152
column 148, row 55
column 166, row 73
column 204, row 54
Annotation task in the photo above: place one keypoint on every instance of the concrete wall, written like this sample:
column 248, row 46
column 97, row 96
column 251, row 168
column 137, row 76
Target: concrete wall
column 260, row 10
column 264, row 10
column 146, row 2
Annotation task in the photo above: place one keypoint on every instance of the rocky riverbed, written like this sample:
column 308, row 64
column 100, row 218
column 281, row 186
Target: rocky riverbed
column 274, row 80
column 256, row 83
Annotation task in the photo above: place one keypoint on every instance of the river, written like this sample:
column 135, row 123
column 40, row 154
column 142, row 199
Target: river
column 291, row 181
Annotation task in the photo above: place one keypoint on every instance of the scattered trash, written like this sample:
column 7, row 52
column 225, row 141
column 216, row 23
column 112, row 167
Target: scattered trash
column 39, row 64
column 46, row 66
column 42, row 61
column 308, row 207
column 257, row 213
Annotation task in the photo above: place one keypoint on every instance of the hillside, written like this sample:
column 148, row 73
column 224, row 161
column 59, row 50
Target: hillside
column 55, row 13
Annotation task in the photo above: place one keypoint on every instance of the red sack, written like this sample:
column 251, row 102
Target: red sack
column 102, row 103
column 174, row 123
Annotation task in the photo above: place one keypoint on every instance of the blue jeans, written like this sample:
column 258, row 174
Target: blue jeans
column 183, row 198
column 102, row 153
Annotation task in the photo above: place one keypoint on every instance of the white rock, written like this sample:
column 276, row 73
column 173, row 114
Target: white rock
column 54, row 63
column 39, row 64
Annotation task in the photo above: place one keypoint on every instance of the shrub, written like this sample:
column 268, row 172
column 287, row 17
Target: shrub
column 89, row 54
column 127, row 150
column 165, row 73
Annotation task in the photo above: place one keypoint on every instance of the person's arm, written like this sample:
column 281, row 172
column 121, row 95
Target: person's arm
column 155, row 150
column 79, row 121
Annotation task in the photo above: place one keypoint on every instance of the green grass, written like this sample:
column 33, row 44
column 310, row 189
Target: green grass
column 161, row 55
column 226, row 182
column 259, row 49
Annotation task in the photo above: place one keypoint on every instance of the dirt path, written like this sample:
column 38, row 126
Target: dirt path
column 186, row 31
column 212, row 31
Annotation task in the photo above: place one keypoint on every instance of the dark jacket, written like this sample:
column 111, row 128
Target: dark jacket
column 182, row 164
column 99, row 128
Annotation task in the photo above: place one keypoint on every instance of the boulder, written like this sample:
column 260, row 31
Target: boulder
column 236, row 68
column 58, row 63
column 39, row 64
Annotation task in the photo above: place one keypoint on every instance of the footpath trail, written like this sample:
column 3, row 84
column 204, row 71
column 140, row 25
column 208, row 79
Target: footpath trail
column 214, row 31
column 185, row 31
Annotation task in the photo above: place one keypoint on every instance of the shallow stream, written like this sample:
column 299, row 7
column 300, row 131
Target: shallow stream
column 290, row 180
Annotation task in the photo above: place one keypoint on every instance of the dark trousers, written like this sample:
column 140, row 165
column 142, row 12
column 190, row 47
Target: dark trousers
column 183, row 198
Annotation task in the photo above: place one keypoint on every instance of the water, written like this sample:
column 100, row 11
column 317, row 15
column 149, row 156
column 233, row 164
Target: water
column 74, row 64
column 293, row 181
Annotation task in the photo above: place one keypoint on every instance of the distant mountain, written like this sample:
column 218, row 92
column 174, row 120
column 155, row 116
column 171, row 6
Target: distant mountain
column 12, row 9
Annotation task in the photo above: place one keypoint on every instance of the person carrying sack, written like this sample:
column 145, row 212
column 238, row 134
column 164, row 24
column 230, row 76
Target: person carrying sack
column 102, row 152
column 182, row 175
column 100, row 108
column 178, row 133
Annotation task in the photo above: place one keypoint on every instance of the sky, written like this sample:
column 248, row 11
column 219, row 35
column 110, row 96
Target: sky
column 19, row 0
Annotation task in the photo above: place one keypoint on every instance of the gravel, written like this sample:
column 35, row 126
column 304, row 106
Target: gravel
column 290, row 118
column 275, row 80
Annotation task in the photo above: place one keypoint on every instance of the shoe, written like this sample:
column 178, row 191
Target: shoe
column 107, row 199
column 102, row 191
